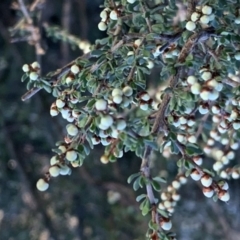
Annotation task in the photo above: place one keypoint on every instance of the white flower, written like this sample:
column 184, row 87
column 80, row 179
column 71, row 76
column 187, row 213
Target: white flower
column 207, row 10
column 113, row 15
column 72, row 130
column 25, row 68
column 42, row 185
column 71, row 155
column 33, row 76
column 102, row 26
column 54, row 171
column 101, row 105
column 190, row 26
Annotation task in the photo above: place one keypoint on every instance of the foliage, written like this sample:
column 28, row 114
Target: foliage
column 193, row 113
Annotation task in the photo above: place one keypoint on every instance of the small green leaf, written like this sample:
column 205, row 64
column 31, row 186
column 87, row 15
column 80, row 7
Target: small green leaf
column 159, row 179
column 140, row 197
column 156, row 186
column 146, row 208
column 130, row 178
column 163, row 213
column 24, row 77
column 96, row 53
column 136, row 184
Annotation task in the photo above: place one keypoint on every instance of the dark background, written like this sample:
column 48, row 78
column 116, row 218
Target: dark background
column 78, row 206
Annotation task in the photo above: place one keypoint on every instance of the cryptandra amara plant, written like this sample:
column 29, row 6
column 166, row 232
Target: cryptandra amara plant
column 194, row 114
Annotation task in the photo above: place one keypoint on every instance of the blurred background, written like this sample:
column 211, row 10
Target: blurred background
column 95, row 202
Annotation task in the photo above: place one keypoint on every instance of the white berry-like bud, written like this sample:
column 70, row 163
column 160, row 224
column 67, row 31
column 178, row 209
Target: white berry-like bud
column 166, row 224
column 237, row 56
column 236, row 125
column 65, row 113
column 176, row 184
column 204, row 95
column 117, row 99
column 25, row 68
column 114, row 133
column 60, row 103
column 235, row 174
column 205, row 19
column 102, row 26
column 75, row 69
column 182, row 120
column 71, row 155
column 106, row 120
column 121, row 124
column 95, row 140
column 223, row 185
column 237, row 20
column 35, row 65
column 101, row 105
column 224, row 196
column 131, row 1
column 150, row 64
column 191, row 80
column 144, row 106
column 54, row 160
column 206, row 180
column 72, row 130
column 33, row 76
column 176, row 197
column 64, row 170
column 104, row 15
column 215, row 109
column 127, row 91
column 196, row 88
column 117, row 91
column 190, row 26
column 206, row 75
column 195, row 175
column 203, row 110
column 181, row 138
column 42, row 185
column 217, row 166
column 223, row 174
column 198, row 160
column 234, row 146
column 54, row 171
column 183, row 179
column 208, row 192
column 192, row 139
column 104, row 159
column 54, row 112
column 145, row 96
column 62, row 148
column 213, row 95
column 113, row 15
column 137, row 43
column 191, row 122
column 207, row 10
column 195, row 16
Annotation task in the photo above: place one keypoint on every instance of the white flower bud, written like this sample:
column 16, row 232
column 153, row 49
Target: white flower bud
column 196, row 88
column 54, row 171
column 64, row 170
column 116, row 92
column 117, row 99
column 54, row 160
column 195, row 175
column 62, row 148
column 236, row 125
column 215, row 109
column 113, row 15
column 145, row 96
column 150, row 64
column 223, row 174
column 71, row 155
column 166, row 224
column 60, row 103
column 217, row 166
column 25, row 68
column 208, row 192
column 121, row 124
column 101, row 105
column 176, row 184
column 104, row 15
column 204, row 95
column 95, row 140
column 75, row 69
column 207, row 10
column 182, row 120
column 206, row 75
column 237, row 56
column 235, row 174
column 234, row 146
column 33, row 76
column 192, row 139
column 203, row 110
column 237, row 20
column 131, row 1
column 190, row 26
column 42, row 185
column 206, row 180
column 72, row 130
column 195, row 16
column 224, row 196
column 114, row 133
column 205, row 19
column 191, row 80
column 198, row 160
column 102, row 26
column 54, row 112
column 127, row 91
column 35, row 65
column 176, row 197
column 137, row 43
column 106, row 120
column 183, row 179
